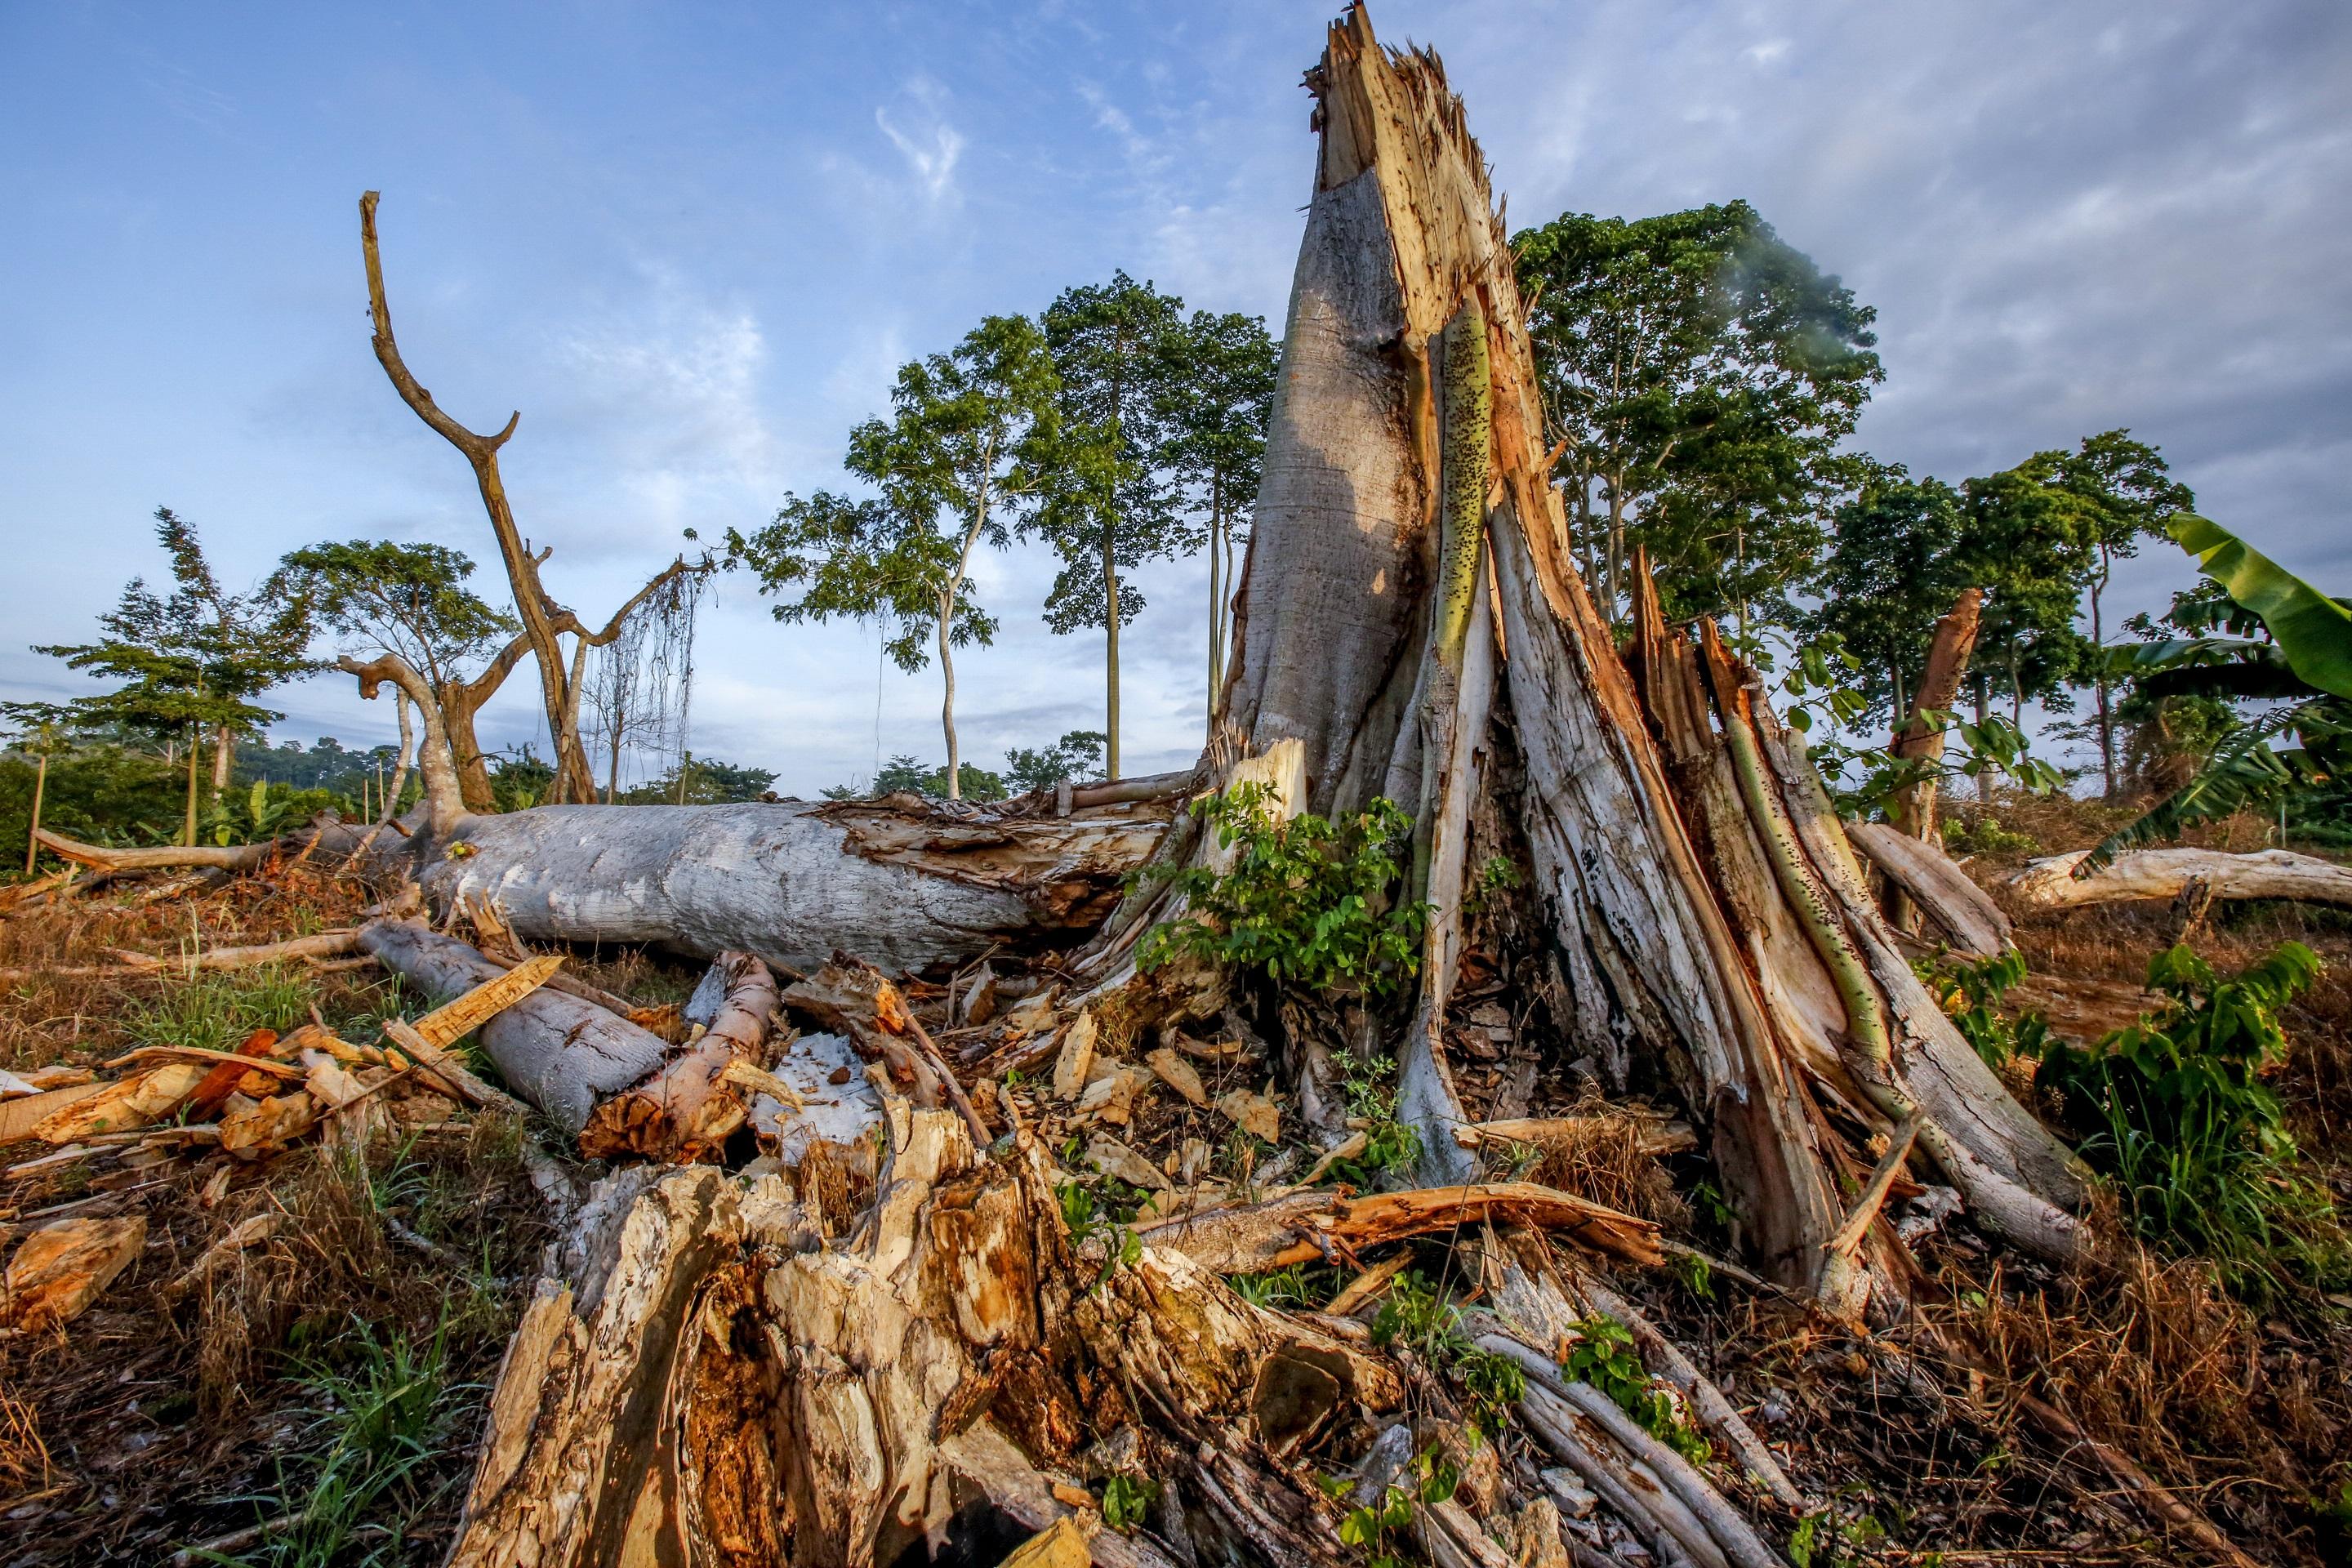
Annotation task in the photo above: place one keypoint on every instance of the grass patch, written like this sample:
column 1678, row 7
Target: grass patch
column 389, row 1406
column 2174, row 1108
column 216, row 1010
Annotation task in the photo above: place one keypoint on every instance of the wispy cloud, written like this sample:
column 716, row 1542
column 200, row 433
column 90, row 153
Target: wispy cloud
column 931, row 148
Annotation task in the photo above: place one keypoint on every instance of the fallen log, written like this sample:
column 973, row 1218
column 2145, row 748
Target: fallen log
column 2050, row 883
column 559, row 1053
column 1943, row 892
column 792, row 882
column 161, row 857
column 1310, row 1227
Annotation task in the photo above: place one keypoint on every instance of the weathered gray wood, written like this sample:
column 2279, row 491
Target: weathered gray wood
column 792, row 882
column 2050, row 883
column 559, row 1053
column 1942, row 891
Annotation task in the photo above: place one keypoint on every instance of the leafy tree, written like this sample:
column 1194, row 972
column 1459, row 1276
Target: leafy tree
column 1700, row 373
column 1078, row 755
column 964, row 442
column 2026, row 546
column 702, row 781
column 192, row 660
column 2116, row 491
column 1108, row 503
column 1897, row 566
column 904, row 774
column 412, row 601
column 1218, row 393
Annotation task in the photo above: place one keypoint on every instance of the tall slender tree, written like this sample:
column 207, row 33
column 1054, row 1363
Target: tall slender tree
column 965, row 446
column 1108, row 503
column 2116, row 491
column 1218, row 393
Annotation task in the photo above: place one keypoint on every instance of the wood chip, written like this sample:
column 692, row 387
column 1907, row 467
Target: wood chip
column 759, row 1080
column 1178, row 1074
column 246, row 1232
column 447, row 1025
column 124, row 1104
column 1113, row 1158
column 1254, row 1114
column 1111, row 1097
column 60, row 1270
column 19, row 1116
column 269, row 1126
column 1074, row 1065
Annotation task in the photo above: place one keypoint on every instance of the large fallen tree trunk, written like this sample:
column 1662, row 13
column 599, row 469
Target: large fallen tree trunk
column 558, row 1052
column 2050, row 883
column 894, row 881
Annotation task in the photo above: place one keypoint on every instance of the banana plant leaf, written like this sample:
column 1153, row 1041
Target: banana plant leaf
column 2312, row 631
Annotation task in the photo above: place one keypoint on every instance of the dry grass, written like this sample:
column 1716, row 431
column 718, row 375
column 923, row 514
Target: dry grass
column 1602, row 1160
column 148, row 1423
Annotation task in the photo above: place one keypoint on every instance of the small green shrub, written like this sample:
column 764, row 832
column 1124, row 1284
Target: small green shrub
column 1426, row 1321
column 1127, row 1502
column 1986, row 835
column 1391, row 1146
column 1372, row 1528
column 1971, row 993
column 1604, row 1357
column 1307, row 901
column 2176, row 1110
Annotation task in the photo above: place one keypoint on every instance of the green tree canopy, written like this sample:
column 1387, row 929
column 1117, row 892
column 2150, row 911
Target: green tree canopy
column 2025, row 546
column 1895, row 566
column 1109, row 502
column 1217, row 393
column 1078, row 754
column 2116, row 492
column 192, row 661
column 407, row 599
column 1700, row 373
column 965, row 442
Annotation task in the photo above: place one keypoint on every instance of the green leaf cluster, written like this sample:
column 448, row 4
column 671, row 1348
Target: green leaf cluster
column 1307, row 902
column 1428, row 1322
column 1970, row 992
column 1604, row 1356
column 1372, row 1528
column 2176, row 1109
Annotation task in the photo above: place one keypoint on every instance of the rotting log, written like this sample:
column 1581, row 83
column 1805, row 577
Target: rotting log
column 705, row 1376
column 559, row 1053
column 2050, row 883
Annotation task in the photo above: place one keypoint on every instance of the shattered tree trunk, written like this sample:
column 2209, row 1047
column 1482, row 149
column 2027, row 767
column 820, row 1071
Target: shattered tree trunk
column 1405, row 334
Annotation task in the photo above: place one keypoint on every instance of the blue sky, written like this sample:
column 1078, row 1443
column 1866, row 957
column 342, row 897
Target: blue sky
column 691, row 242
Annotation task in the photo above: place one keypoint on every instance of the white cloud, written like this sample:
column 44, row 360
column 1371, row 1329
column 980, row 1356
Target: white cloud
column 931, row 150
